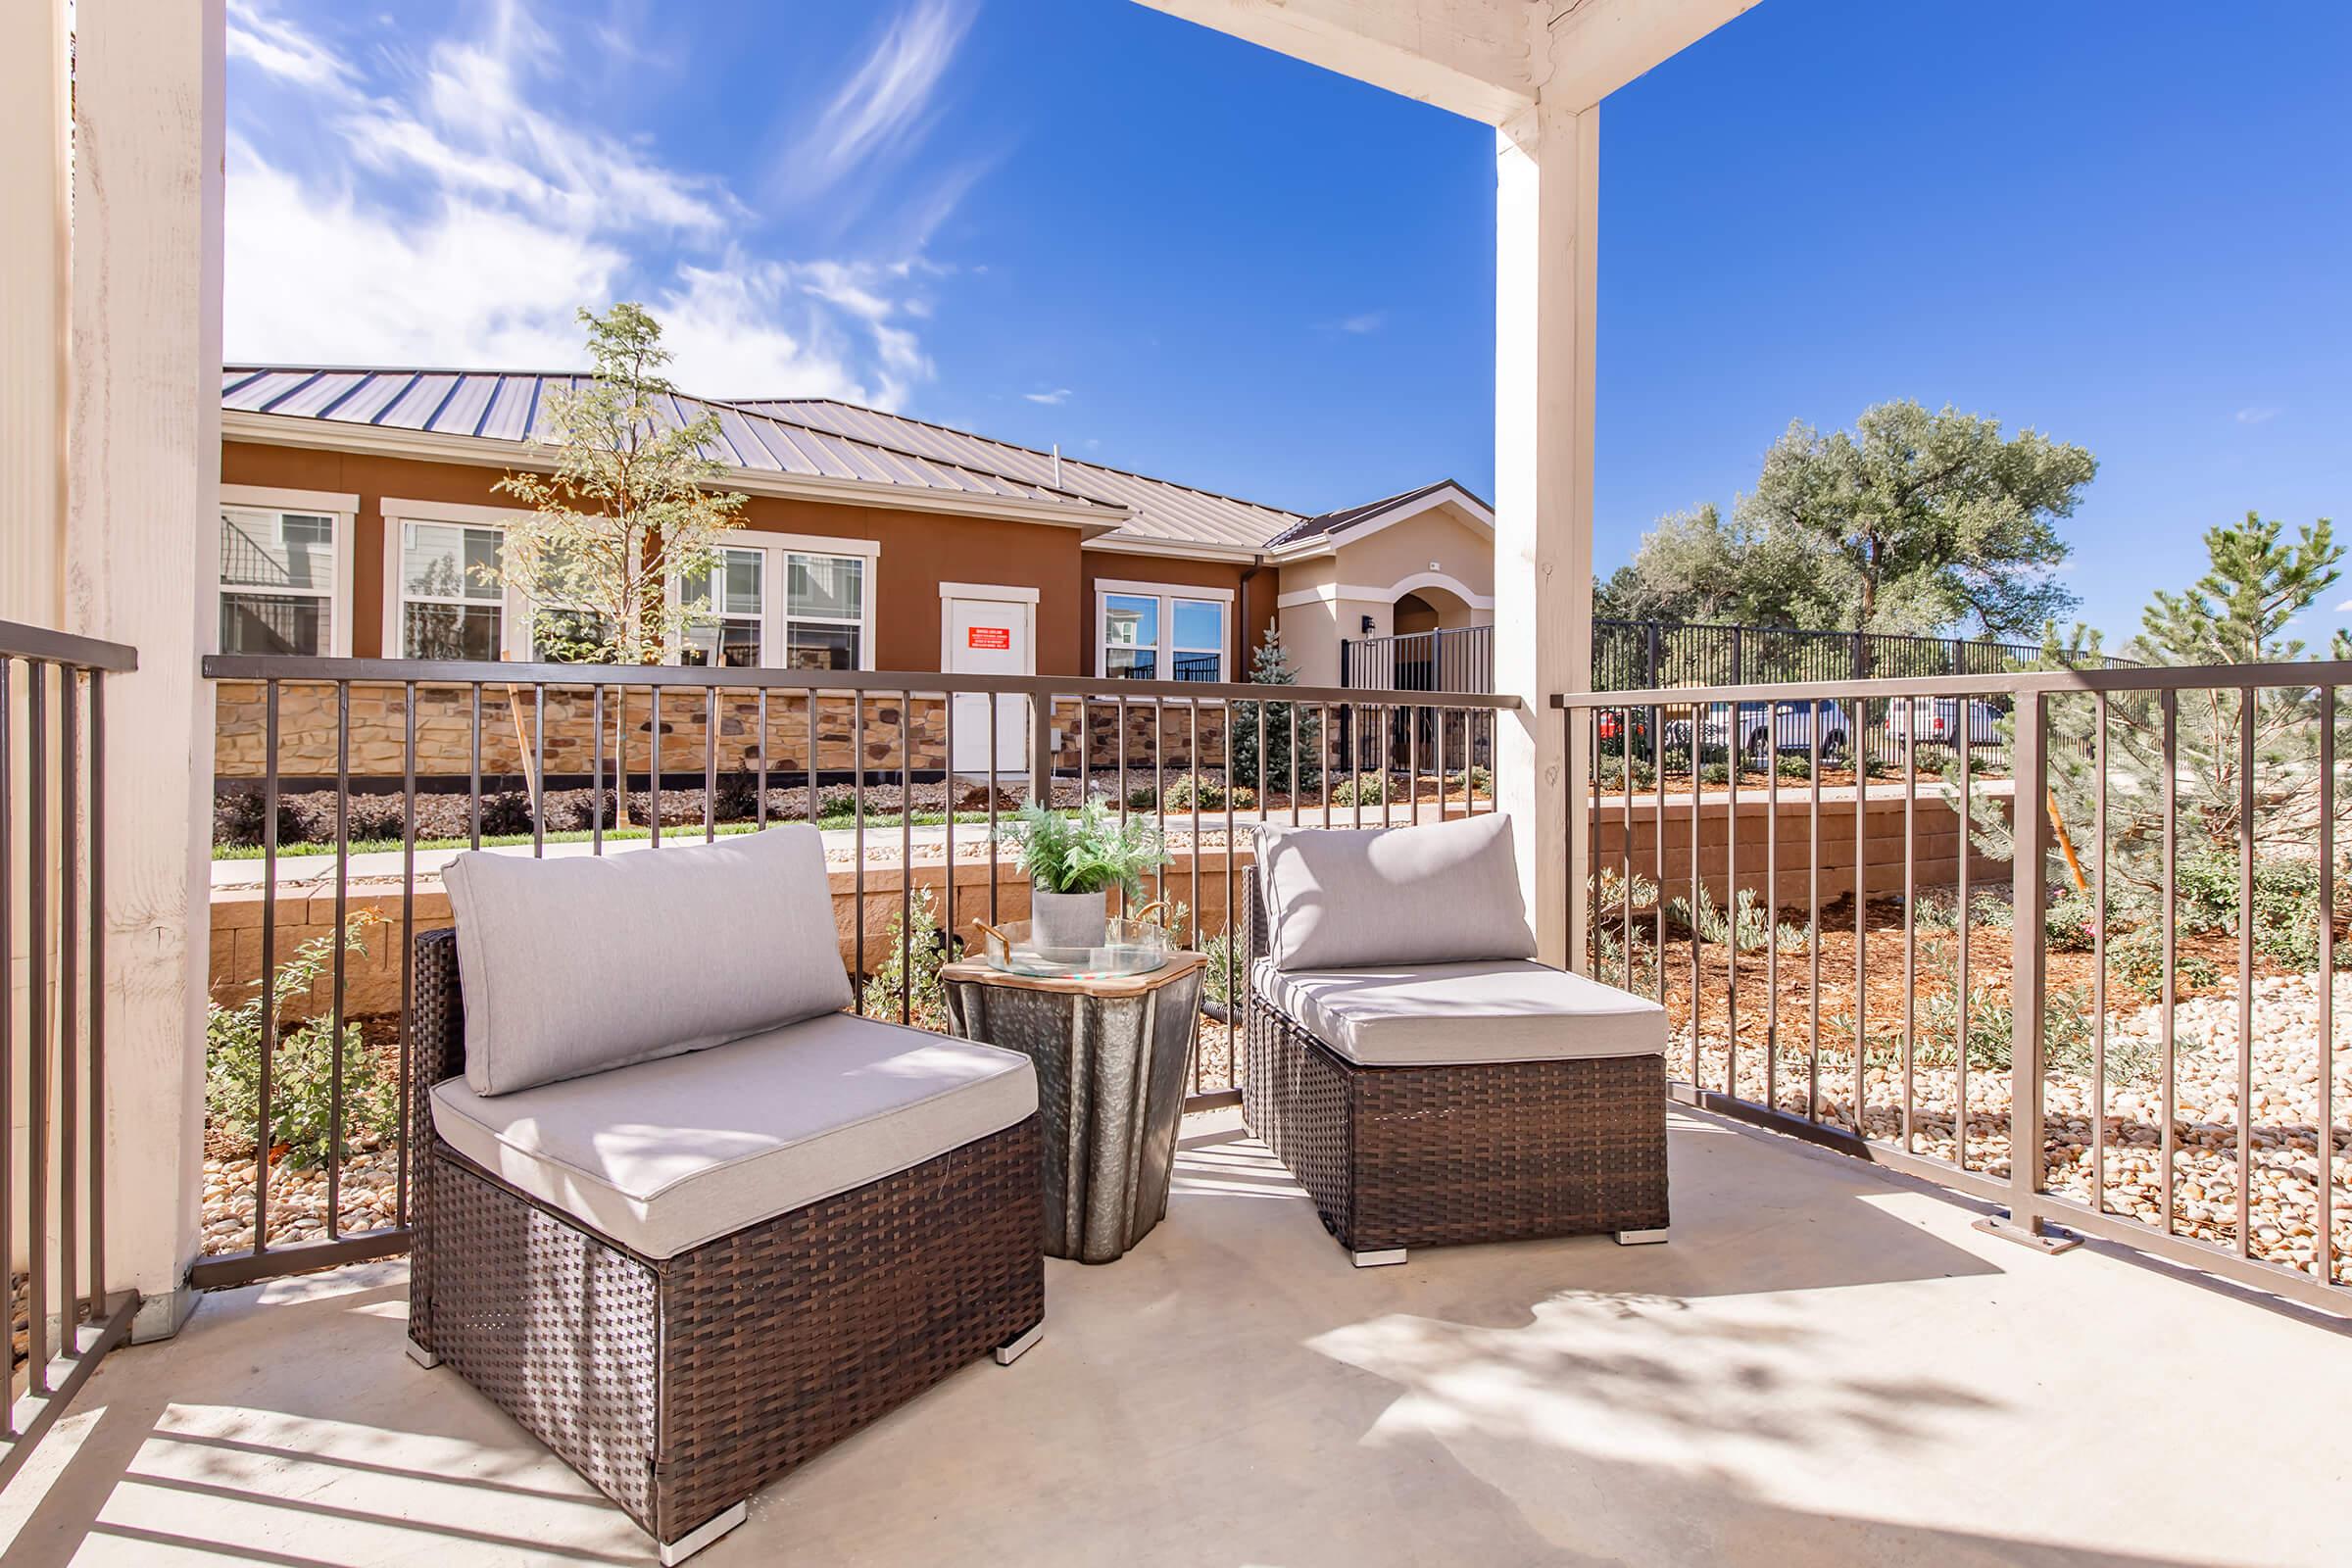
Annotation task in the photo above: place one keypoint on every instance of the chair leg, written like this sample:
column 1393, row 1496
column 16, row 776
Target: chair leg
column 1020, row 1345
column 1378, row 1257
column 695, row 1540
column 1643, row 1237
column 427, row 1359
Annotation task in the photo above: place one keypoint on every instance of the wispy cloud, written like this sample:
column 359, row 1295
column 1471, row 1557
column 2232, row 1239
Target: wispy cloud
column 2257, row 414
column 456, row 206
column 280, row 48
column 885, row 105
column 1360, row 324
column 1059, row 395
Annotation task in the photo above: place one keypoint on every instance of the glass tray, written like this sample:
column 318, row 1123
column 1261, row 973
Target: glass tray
column 1129, row 946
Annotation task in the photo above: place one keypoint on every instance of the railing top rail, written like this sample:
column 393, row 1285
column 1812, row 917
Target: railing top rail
column 2128, row 678
column 464, row 672
column 20, row 640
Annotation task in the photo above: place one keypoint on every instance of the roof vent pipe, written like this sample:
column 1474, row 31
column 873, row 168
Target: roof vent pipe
column 1057, row 465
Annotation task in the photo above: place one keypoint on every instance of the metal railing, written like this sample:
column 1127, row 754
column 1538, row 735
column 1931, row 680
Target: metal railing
column 1640, row 655
column 53, row 1015
column 1454, row 659
column 538, row 753
column 2037, row 984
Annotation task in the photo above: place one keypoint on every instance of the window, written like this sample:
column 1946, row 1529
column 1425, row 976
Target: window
column 278, row 571
column 1148, row 632
column 824, row 612
column 448, row 607
column 735, row 594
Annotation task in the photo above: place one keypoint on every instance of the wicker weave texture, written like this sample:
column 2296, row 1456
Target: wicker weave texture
column 679, row 1387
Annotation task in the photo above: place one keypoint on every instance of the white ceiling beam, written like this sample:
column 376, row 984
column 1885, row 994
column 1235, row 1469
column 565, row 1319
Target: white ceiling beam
column 1598, row 46
column 1473, row 57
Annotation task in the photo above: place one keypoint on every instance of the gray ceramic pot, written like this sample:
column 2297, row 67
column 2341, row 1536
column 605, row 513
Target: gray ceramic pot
column 1068, row 919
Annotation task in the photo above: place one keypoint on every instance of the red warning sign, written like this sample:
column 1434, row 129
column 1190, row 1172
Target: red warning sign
column 989, row 637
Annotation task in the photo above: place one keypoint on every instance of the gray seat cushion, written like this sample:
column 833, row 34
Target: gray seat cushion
column 665, row 1156
column 1440, row 1015
column 1343, row 898
column 577, row 964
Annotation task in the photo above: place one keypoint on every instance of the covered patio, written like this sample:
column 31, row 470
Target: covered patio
column 1828, row 1366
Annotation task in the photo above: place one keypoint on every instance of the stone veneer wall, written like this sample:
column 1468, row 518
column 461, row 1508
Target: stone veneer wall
column 565, row 732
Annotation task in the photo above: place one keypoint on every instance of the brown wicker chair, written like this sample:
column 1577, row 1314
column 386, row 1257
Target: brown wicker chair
column 679, row 1386
column 1403, row 1157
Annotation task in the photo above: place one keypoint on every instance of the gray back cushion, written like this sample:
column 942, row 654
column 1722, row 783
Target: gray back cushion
column 1345, row 898
column 573, row 966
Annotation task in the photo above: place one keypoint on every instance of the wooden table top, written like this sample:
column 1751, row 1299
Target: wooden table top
column 974, row 972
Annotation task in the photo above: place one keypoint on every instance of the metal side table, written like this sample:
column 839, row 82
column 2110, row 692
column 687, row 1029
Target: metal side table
column 1111, row 1056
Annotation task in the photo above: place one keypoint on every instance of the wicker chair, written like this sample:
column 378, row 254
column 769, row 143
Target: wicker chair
column 1402, row 1156
column 680, row 1386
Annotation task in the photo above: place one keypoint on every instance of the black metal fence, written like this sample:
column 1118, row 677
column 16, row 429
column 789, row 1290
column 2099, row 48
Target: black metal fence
column 53, row 1024
column 1637, row 655
column 1205, row 761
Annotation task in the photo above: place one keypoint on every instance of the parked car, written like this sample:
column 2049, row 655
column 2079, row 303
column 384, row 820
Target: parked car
column 1938, row 721
column 1790, row 727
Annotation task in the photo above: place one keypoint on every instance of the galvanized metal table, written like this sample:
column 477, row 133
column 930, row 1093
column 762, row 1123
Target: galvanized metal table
column 1111, row 1058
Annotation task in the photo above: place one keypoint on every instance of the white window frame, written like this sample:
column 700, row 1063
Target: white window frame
column 343, row 509
column 514, row 606
column 776, row 551
column 1166, row 650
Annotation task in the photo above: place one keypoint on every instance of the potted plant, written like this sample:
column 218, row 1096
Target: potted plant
column 1073, row 862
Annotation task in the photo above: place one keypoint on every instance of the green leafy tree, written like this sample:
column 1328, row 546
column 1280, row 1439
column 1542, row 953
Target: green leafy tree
column 1918, row 522
column 303, row 1063
column 631, row 501
column 1270, row 665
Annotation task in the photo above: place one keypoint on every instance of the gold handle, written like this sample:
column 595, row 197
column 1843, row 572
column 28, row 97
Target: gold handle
column 995, row 931
column 1143, row 917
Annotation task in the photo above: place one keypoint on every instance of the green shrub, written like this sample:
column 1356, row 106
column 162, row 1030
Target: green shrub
column 926, row 952
column 1793, row 765
column 303, row 1066
column 2137, row 958
column 2070, row 925
column 1477, row 780
column 1362, row 788
column 1206, row 792
column 1715, row 773
column 1224, row 976
column 1749, row 920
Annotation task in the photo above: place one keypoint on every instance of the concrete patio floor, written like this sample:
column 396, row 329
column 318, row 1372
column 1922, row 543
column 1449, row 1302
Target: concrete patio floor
column 1827, row 1366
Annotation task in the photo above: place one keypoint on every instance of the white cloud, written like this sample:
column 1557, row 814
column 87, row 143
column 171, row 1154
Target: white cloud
column 882, row 108
column 1059, row 395
column 459, row 215
column 1360, row 324
column 2345, row 608
column 2257, row 414
column 280, row 48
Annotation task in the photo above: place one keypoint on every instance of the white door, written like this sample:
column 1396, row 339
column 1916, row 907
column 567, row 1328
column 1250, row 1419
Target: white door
column 990, row 637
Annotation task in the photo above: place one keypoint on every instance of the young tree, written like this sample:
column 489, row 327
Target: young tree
column 1270, row 665
column 2239, row 613
column 1916, row 522
column 631, row 501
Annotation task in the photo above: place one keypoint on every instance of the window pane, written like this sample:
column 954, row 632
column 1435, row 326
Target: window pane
column 809, row 647
column 737, row 641
column 826, row 585
column 439, row 559
column 276, row 624
column 737, row 591
column 277, row 549
column 1193, row 667
column 1200, row 623
column 1129, row 622
column 1130, row 664
column 450, row 631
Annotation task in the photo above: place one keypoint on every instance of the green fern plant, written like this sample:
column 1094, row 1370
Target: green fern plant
column 1087, row 851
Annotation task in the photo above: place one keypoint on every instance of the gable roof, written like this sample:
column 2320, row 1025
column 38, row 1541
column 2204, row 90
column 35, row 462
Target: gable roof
column 508, row 406
column 1163, row 511
column 816, row 441
column 1372, row 513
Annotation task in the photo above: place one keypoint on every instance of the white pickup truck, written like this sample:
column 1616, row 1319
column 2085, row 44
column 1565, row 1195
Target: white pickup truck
column 1938, row 721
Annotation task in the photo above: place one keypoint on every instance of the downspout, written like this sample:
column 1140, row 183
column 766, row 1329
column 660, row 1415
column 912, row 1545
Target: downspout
column 1257, row 563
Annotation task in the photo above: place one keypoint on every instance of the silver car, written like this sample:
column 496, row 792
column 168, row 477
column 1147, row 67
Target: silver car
column 1938, row 721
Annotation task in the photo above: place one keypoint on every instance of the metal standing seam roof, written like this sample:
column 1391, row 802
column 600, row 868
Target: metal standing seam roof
column 1165, row 511
column 511, row 406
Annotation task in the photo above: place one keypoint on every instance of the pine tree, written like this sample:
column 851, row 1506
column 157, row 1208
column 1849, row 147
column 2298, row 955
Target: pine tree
column 1270, row 665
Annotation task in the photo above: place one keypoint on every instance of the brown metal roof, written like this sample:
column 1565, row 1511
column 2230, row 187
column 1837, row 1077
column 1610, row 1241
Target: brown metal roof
column 1331, row 523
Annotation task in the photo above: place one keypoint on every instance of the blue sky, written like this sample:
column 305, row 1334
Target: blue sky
column 1081, row 221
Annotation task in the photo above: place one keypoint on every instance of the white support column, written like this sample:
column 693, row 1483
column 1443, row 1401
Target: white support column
column 144, row 476
column 32, row 302
column 1548, row 168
